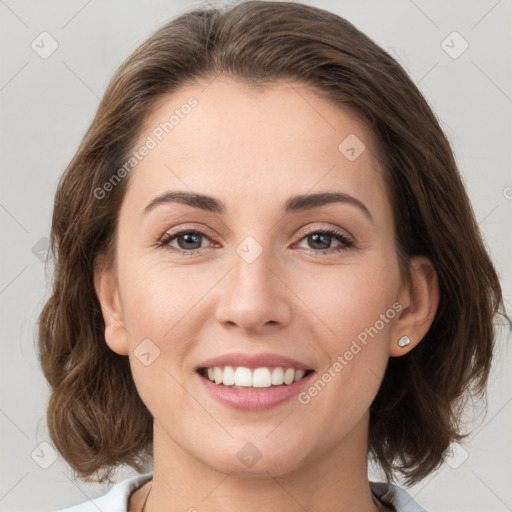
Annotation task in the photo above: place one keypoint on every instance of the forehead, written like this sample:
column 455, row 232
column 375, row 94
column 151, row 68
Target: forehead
column 238, row 143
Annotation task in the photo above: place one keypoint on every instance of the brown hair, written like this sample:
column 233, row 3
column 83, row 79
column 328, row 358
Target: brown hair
column 95, row 416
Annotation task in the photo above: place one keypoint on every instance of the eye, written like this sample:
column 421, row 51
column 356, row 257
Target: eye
column 189, row 241
column 319, row 238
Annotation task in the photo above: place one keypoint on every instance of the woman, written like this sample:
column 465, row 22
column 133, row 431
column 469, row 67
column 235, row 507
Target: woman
column 267, row 270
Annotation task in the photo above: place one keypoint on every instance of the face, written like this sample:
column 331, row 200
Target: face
column 257, row 274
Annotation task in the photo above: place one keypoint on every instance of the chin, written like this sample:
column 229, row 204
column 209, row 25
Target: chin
column 252, row 460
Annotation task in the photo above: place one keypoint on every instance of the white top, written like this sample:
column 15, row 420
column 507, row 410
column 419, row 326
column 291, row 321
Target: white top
column 116, row 500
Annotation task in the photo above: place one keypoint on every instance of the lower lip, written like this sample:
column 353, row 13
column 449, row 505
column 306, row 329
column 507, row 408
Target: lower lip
column 254, row 400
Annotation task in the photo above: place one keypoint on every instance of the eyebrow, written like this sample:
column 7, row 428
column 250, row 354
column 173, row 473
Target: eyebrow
column 294, row 204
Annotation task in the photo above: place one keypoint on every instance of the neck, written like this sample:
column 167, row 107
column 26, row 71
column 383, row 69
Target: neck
column 336, row 480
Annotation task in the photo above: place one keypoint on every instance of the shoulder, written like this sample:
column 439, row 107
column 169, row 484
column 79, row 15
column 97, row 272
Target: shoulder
column 395, row 497
column 115, row 500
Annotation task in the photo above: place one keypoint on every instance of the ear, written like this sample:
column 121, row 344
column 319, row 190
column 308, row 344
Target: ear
column 107, row 291
column 419, row 301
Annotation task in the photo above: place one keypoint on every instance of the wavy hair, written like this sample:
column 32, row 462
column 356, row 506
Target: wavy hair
column 95, row 416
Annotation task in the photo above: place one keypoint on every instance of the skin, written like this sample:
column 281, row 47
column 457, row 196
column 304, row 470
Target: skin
column 253, row 150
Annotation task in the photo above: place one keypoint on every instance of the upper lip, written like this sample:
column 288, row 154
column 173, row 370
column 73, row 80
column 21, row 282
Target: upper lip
column 253, row 361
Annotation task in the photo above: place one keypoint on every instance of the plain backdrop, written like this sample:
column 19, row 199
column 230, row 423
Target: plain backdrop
column 47, row 103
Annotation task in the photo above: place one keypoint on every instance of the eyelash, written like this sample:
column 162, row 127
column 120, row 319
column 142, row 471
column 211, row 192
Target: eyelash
column 346, row 242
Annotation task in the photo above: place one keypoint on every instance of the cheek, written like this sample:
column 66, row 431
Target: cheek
column 347, row 300
column 158, row 306
column 344, row 389
column 158, row 298
column 355, row 306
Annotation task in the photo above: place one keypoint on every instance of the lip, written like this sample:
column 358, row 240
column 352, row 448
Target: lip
column 254, row 361
column 254, row 400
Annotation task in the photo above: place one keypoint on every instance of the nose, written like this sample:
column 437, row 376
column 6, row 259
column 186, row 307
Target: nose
column 255, row 296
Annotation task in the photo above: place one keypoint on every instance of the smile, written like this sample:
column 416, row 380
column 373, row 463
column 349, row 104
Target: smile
column 256, row 390
column 245, row 378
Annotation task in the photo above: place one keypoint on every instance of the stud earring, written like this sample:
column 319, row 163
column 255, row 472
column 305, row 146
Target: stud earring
column 404, row 341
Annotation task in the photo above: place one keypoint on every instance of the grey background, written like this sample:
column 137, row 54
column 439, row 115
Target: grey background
column 46, row 106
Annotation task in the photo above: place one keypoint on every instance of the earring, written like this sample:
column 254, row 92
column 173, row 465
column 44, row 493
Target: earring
column 404, row 341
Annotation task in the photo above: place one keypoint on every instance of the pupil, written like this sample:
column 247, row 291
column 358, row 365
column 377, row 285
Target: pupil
column 187, row 238
column 322, row 235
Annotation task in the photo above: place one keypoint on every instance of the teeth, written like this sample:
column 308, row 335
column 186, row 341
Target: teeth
column 289, row 374
column 298, row 375
column 229, row 376
column 243, row 377
column 277, row 376
column 257, row 378
column 261, row 378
